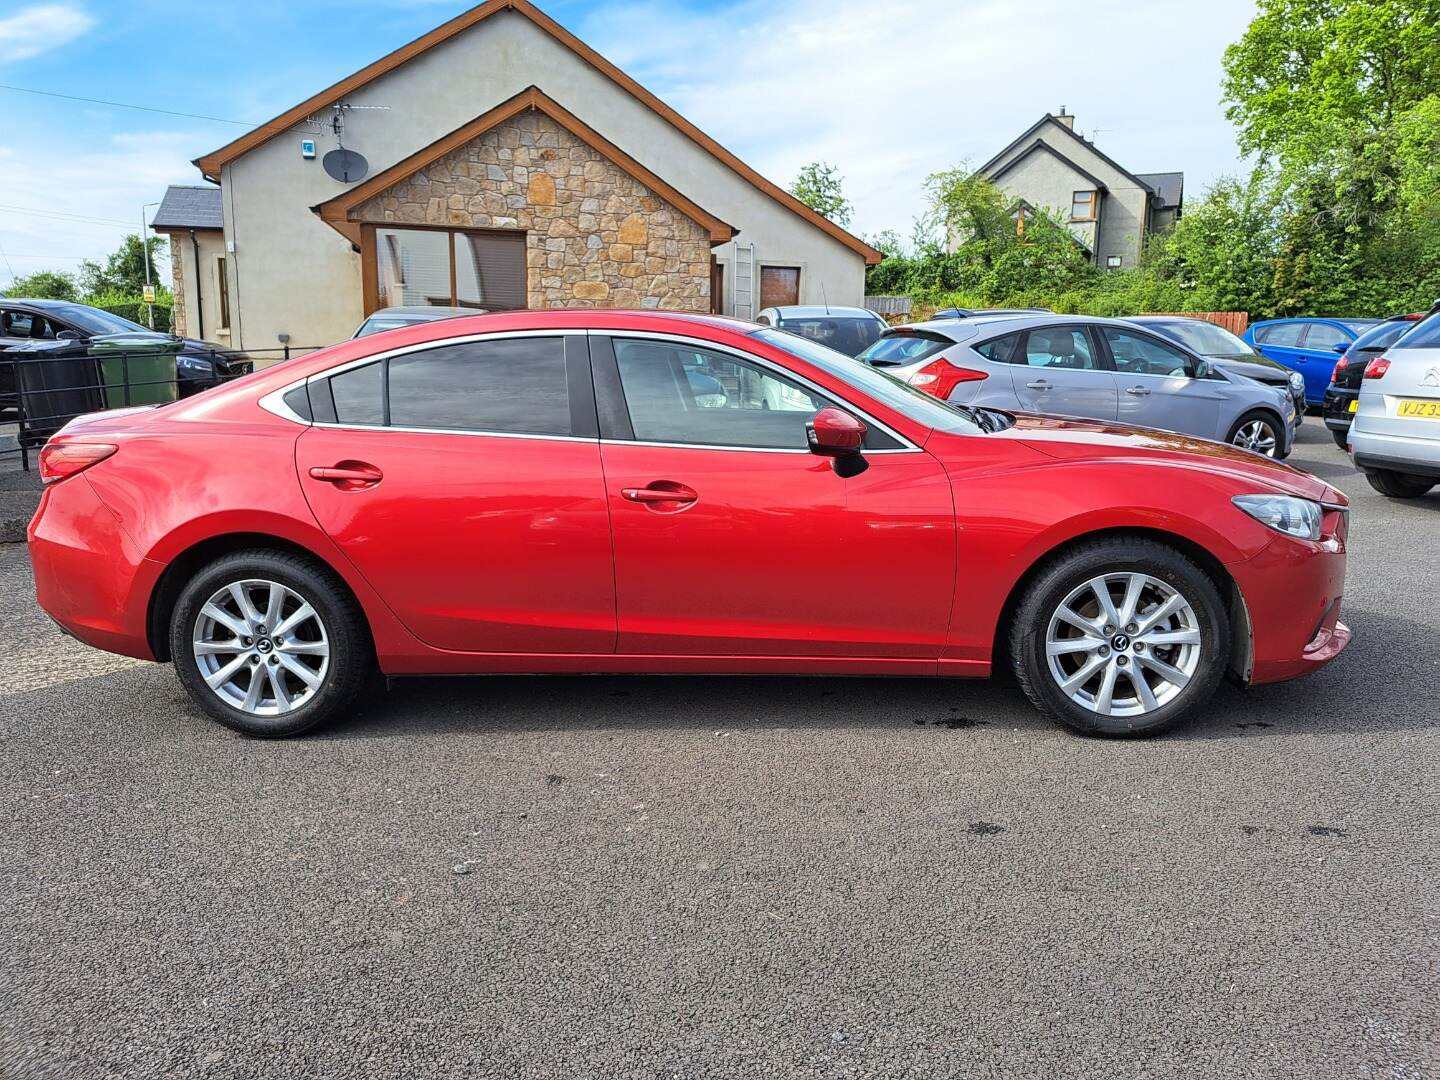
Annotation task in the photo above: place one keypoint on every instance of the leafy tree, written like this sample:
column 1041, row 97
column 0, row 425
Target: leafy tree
column 124, row 269
column 820, row 187
column 44, row 285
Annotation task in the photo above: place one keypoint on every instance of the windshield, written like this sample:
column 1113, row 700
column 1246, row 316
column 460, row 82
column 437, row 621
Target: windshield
column 849, row 336
column 922, row 408
column 1424, row 335
column 1205, row 338
column 94, row 321
column 905, row 347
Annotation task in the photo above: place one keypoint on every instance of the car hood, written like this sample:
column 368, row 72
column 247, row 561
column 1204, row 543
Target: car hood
column 1089, row 440
column 1258, row 365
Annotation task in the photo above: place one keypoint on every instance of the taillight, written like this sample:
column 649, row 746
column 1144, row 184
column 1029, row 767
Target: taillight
column 941, row 377
column 1377, row 368
column 1342, row 363
column 59, row 460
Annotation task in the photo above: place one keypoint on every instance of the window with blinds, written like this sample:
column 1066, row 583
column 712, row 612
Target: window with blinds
column 450, row 268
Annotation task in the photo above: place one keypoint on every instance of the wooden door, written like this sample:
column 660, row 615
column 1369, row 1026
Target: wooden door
column 779, row 286
column 717, row 286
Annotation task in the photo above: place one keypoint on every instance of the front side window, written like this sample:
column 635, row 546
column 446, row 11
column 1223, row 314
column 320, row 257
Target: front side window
column 1140, row 354
column 677, row 394
column 506, row 385
column 1324, row 337
column 1060, row 347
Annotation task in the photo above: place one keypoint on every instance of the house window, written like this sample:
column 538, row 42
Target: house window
column 449, row 268
column 1082, row 206
column 222, row 289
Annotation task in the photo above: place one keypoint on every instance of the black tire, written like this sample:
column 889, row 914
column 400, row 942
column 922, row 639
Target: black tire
column 1043, row 597
column 1342, row 438
column 350, row 666
column 1276, row 431
column 1396, row 485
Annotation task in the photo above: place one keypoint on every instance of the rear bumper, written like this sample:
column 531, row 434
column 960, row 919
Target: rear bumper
column 1338, row 416
column 1395, row 453
column 1292, row 592
column 89, row 576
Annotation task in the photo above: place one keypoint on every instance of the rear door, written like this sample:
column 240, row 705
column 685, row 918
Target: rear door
column 463, row 480
column 1057, row 370
column 1158, row 385
column 1282, row 343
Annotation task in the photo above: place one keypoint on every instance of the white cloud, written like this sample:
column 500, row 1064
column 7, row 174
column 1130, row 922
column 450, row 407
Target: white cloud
column 891, row 92
column 40, row 28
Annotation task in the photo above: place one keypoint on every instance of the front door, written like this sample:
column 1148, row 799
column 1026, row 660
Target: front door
column 1057, row 371
column 470, row 495
column 779, row 286
column 1158, row 387
column 731, row 539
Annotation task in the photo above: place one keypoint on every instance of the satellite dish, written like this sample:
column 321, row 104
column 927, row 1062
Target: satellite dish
column 345, row 165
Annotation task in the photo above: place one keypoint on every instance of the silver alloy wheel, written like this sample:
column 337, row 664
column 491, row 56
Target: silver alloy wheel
column 1257, row 435
column 261, row 647
column 1123, row 644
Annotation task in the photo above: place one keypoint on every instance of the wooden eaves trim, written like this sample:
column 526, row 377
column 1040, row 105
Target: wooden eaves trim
column 214, row 162
column 336, row 212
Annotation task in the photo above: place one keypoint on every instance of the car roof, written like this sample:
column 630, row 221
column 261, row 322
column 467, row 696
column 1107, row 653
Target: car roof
column 816, row 311
column 423, row 311
column 42, row 305
column 965, row 329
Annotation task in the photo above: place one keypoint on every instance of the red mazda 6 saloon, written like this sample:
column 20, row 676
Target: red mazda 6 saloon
column 608, row 491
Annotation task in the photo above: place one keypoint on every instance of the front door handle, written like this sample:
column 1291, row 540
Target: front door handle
column 661, row 494
column 348, row 475
column 1039, row 384
column 1138, row 391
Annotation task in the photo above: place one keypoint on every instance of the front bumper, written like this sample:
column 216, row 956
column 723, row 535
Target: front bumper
column 1292, row 592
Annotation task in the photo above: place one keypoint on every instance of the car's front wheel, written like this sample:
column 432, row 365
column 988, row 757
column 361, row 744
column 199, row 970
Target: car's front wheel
column 269, row 643
column 1259, row 432
column 1399, row 485
column 1120, row 637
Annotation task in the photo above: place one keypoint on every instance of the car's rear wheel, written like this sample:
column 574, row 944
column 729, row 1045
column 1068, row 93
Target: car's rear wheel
column 269, row 643
column 1258, row 432
column 1399, row 485
column 1342, row 438
column 1120, row 637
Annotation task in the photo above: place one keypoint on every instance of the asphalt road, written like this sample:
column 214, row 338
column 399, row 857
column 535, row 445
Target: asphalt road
column 731, row 877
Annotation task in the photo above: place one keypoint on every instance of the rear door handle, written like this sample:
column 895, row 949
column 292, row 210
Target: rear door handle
column 348, row 475
column 1039, row 384
column 1138, row 391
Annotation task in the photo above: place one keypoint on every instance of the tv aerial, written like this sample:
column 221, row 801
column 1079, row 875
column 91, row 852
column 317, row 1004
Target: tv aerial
column 346, row 166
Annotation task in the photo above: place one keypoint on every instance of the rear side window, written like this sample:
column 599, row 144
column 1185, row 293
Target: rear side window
column 1283, row 334
column 510, row 385
column 1058, row 347
column 1001, row 350
column 1426, row 335
column 893, row 350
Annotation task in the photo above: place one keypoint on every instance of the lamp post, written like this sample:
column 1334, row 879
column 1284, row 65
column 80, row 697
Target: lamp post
column 145, row 260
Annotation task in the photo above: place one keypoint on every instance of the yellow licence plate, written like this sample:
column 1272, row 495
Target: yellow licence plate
column 1354, row 404
column 1430, row 409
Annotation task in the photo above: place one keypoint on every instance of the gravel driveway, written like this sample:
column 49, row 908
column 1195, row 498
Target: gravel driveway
column 695, row 877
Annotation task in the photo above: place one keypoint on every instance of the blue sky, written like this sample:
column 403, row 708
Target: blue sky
column 888, row 92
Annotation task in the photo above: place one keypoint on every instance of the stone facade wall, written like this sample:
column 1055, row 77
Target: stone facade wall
column 594, row 236
column 179, row 248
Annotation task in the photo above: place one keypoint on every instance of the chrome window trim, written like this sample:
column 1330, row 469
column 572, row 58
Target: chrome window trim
column 907, row 446
column 468, row 433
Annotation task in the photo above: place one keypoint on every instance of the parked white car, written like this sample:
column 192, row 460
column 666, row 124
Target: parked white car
column 1395, row 439
column 849, row 330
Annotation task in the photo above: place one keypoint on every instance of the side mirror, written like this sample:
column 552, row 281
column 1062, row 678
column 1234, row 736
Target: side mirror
column 69, row 335
column 1342, row 348
column 1203, row 369
column 834, row 433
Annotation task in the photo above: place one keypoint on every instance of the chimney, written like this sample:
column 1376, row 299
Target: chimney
column 1066, row 119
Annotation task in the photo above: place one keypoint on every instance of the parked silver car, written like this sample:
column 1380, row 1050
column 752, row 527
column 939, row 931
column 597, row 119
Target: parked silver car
column 392, row 318
column 1395, row 437
column 1102, row 369
column 849, row 330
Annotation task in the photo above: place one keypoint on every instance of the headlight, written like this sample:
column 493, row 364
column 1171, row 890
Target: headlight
column 1283, row 513
column 1297, row 380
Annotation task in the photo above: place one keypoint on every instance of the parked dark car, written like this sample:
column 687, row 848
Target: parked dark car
column 1229, row 353
column 970, row 313
column 1308, row 346
column 1342, row 396
column 198, row 364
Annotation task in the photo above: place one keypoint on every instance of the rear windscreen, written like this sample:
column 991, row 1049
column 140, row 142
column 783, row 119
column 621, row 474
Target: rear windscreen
column 892, row 350
column 1425, row 335
column 849, row 336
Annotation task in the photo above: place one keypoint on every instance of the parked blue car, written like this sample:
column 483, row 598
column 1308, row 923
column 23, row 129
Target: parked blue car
column 1309, row 346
